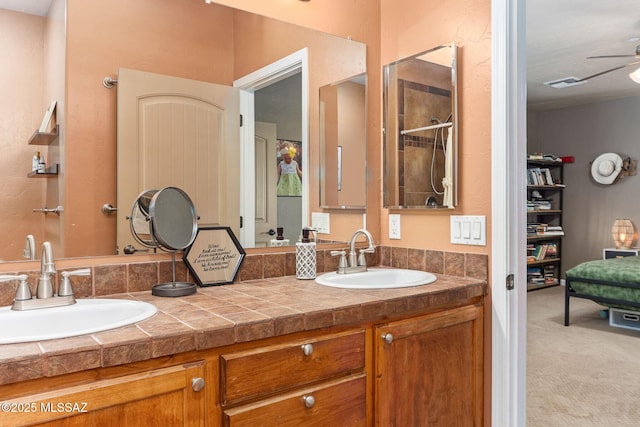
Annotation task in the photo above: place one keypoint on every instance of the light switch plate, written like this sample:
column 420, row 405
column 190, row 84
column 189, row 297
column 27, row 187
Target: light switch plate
column 469, row 230
column 394, row 226
column 321, row 222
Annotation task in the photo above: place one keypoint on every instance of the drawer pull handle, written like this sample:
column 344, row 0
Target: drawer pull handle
column 631, row 317
column 309, row 400
column 197, row 383
column 307, row 349
column 388, row 338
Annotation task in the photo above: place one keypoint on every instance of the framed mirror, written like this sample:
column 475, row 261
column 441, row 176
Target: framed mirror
column 216, row 44
column 421, row 131
column 343, row 144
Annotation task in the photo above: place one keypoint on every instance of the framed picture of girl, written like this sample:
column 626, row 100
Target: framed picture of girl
column 289, row 161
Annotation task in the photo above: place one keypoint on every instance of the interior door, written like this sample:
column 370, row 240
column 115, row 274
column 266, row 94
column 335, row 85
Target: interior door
column 182, row 133
column 265, row 166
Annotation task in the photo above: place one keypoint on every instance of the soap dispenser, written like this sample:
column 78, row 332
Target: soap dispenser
column 305, row 256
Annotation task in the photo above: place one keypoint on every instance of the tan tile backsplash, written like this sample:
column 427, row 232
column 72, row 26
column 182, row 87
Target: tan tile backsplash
column 141, row 276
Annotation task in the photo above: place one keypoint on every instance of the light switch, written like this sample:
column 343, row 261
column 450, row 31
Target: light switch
column 476, row 230
column 468, row 230
column 456, row 229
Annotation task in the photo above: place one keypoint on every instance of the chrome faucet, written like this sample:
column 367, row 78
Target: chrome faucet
column 357, row 262
column 30, row 248
column 360, row 260
column 45, row 298
column 47, row 268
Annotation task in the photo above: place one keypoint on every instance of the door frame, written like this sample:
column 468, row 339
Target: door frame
column 297, row 62
column 508, row 240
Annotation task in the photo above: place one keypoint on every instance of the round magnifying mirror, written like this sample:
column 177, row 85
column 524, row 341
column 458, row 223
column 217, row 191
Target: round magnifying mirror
column 165, row 219
column 173, row 219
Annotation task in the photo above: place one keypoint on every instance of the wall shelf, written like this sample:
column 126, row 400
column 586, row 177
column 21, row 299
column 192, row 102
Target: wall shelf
column 49, row 172
column 44, row 138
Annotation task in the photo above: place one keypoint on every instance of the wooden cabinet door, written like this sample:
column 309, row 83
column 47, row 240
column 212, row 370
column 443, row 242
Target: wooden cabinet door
column 162, row 397
column 429, row 370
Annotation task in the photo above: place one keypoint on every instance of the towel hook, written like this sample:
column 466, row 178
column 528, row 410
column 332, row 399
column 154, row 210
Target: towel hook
column 108, row 82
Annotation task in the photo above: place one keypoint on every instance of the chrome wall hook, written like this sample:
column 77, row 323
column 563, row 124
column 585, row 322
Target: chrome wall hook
column 109, row 82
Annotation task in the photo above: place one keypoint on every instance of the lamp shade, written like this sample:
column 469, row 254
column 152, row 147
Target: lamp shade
column 635, row 76
column 623, row 233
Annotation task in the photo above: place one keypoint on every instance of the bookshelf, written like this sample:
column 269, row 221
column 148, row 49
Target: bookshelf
column 545, row 188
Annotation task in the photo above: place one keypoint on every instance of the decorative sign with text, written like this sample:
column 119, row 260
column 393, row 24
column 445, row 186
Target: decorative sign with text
column 215, row 256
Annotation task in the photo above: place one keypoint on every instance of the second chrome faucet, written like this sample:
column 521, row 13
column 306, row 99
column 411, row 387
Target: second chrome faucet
column 357, row 262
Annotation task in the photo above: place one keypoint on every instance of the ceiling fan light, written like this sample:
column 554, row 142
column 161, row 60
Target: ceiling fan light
column 635, row 76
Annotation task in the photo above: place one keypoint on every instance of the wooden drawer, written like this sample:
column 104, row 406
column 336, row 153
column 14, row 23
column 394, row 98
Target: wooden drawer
column 339, row 402
column 260, row 372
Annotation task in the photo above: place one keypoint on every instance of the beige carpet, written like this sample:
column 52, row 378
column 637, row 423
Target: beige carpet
column 586, row 374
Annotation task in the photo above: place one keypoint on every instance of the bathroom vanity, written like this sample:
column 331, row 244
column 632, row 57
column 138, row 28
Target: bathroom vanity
column 279, row 351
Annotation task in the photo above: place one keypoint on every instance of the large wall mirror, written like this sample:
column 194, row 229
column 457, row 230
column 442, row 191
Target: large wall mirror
column 420, row 131
column 221, row 45
column 343, row 144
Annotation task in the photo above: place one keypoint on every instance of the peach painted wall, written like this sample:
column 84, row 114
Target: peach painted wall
column 55, row 89
column 359, row 20
column 409, row 27
column 330, row 58
column 191, row 39
column 22, row 106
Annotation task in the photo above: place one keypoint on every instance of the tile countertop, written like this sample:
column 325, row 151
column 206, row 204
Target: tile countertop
column 223, row 315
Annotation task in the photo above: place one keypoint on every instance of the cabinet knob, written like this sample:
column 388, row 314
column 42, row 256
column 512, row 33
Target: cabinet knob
column 388, row 338
column 308, row 400
column 307, row 349
column 197, row 383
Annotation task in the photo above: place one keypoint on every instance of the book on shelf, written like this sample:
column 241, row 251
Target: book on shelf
column 552, row 230
column 541, row 229
column 539, row 176
column 542, row 204
column 46, row 120
column 545, row 157
column 542, row 252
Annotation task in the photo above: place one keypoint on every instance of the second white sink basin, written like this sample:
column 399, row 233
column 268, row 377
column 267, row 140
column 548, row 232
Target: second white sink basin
column 86, row 316
column 377, row 278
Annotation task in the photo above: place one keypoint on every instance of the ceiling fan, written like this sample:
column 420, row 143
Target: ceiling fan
column 572, row 81
column 636, row 56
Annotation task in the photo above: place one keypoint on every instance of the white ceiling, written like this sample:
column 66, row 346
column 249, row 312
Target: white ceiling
column 561, row 34
column 33, row 7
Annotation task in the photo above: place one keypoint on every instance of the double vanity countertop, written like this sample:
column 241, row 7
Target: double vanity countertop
column 224, row 315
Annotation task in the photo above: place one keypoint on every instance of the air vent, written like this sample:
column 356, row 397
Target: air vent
column 566, row 82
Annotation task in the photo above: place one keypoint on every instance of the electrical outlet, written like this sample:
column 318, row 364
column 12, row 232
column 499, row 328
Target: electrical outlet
column 394, row 226
column 320, row 222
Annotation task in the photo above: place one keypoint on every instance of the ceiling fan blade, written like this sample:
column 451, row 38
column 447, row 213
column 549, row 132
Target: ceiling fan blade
column 611, row 56
column 608, row 71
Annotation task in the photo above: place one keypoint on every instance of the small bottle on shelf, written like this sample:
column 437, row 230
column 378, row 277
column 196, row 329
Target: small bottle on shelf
column 35, row 163
column 41, row 164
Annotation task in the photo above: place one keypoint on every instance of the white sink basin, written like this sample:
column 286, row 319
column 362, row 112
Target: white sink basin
column 86, row 316
column 377, row 278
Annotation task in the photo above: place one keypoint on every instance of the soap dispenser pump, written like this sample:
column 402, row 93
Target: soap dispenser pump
column 306, row 256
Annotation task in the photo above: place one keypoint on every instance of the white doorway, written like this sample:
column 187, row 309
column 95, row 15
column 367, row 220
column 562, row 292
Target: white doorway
column 508, row 212
column 292, row 64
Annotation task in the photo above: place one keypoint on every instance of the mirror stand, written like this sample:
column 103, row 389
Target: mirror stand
column 173, row 288
column 165, row 219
